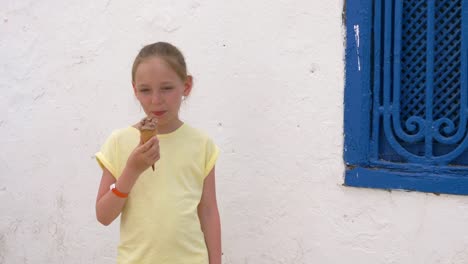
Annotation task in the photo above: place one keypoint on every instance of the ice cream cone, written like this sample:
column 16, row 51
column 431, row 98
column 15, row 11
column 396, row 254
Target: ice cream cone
column 146, row 135
column 147, row 128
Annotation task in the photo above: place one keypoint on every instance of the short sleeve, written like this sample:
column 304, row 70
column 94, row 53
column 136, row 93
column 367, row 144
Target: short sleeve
column 107, row 156
column 211, row 155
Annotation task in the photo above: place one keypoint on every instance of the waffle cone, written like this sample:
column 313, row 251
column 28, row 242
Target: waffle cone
column 146, row 135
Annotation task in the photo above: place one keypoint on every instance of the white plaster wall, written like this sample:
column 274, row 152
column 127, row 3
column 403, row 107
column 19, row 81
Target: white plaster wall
column 268, row 88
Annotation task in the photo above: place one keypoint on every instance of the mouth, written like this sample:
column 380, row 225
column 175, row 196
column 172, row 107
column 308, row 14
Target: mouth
column 158, row 113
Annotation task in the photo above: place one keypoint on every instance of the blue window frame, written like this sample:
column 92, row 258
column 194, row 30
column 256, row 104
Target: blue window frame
column 406, row 95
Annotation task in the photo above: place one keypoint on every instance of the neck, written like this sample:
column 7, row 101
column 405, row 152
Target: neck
column 169, row 127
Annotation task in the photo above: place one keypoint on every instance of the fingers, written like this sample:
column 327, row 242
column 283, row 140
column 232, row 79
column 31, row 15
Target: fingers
column 148, row 153
column 151, row 151
column 149, row 144
column 154, row 156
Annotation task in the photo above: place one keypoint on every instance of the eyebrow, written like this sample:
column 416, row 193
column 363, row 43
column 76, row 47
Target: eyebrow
column 144, row 85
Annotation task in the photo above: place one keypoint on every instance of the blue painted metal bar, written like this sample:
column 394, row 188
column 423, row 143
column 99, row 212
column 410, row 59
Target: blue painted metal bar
column 390, row 179
column 461, row 133
column 414, row 124
column 419, row 168
column 460, row 88
column 429, row 79
column 357, row 106
column 389, row 106
column 377, row 84
column 464, row 67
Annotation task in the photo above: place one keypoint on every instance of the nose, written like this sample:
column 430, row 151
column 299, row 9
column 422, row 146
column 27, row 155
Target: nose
column 156, row 98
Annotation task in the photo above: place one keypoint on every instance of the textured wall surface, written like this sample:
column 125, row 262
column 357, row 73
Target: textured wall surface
column 268, row 88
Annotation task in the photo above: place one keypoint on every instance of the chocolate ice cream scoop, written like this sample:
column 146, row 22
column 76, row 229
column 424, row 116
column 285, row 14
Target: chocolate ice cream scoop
column 148, row 123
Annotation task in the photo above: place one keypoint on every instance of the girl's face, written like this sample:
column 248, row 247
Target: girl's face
column 159, row 90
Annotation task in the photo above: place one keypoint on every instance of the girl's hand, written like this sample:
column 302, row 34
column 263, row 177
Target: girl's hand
column 143, row 156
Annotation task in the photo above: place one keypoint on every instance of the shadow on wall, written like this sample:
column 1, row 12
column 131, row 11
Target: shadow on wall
column 343, row 13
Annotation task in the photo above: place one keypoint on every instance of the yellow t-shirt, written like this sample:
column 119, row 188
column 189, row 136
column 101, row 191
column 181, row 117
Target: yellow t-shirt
column 159, row 222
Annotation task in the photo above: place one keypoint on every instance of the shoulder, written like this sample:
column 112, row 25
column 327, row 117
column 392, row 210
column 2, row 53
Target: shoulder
column 202, row 140
column 125, row 131
column 122, row 133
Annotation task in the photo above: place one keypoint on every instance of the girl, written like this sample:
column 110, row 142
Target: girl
column 169, row 215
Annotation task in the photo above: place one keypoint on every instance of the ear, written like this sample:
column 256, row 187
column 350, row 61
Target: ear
column 188, row 85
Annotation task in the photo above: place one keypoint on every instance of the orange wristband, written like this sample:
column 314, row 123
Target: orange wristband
column 116, row 192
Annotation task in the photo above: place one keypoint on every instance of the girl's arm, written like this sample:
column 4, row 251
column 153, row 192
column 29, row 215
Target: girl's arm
column 109, row 205
column 209, row 219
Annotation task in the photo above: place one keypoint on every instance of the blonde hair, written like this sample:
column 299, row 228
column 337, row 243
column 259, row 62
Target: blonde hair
column 166, row 51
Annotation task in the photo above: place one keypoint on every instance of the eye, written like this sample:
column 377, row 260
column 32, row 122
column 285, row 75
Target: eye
column 144, row 90
column 166, row 88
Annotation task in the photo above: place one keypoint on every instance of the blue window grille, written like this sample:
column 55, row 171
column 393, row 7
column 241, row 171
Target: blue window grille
column 406, row 105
